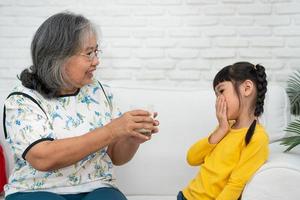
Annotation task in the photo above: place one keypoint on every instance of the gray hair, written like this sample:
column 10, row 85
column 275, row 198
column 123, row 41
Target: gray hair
column 57, row 39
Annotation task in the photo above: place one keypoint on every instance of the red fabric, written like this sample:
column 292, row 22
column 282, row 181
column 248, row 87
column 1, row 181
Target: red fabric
column 3, row 179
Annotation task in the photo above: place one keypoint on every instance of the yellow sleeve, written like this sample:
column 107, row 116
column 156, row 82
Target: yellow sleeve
column 252, row 158
column 198, row 151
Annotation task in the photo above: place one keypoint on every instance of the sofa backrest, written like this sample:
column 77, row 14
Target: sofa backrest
column 186, row 115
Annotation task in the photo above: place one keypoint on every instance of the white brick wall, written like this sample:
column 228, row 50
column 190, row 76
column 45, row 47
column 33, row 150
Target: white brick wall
column 166, row 42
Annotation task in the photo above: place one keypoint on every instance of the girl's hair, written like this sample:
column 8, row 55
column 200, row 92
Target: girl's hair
column 237, row 74
column 58, row 38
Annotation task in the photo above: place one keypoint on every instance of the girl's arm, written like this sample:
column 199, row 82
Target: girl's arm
column 252, row 158
column 198, row 151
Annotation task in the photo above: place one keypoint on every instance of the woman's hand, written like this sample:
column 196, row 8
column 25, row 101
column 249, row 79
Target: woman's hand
column 125, row 130
column 129, row 124
column 221, row 113
column 139, row 140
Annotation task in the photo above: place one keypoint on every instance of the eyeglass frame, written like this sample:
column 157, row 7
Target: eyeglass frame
column 92, row 54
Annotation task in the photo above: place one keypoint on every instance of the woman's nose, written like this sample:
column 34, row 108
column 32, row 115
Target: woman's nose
column 96, row 61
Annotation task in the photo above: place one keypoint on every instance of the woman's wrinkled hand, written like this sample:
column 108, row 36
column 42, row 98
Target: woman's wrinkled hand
column 129, row 124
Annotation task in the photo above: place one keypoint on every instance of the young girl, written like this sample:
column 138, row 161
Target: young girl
column 238, row 147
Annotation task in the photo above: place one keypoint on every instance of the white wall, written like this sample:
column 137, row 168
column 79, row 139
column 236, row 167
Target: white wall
column 168, row 42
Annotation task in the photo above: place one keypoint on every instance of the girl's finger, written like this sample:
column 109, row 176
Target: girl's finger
column 220, row 105
column 225, row 108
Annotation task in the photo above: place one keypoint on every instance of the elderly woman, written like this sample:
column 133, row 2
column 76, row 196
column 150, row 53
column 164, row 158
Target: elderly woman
column 62, row 125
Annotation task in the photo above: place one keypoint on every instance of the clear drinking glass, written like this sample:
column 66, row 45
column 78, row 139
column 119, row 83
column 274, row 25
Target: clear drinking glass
column 150, row 109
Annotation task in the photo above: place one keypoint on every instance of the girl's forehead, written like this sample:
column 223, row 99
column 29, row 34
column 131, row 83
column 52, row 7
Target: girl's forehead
column 223, row 84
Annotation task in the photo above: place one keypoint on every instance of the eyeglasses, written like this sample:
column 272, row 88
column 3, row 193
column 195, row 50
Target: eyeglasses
column 91, row 55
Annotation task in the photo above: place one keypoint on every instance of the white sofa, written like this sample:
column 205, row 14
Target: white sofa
column 159, row 169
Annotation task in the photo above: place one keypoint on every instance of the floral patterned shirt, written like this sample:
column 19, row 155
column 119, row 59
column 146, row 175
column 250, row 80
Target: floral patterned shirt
column 30, row 118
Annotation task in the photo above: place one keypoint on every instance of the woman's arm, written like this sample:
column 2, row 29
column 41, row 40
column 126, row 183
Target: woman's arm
column 123, row 150
column 50, row 155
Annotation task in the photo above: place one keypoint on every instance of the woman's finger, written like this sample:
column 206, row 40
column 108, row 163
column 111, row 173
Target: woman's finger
column 155, row 130
column 139, row 112
column 140, row 136
column 143, row 119
column 148, row 126
column 156, row 123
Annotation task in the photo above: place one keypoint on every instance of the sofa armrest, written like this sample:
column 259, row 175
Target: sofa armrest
column 278, row 179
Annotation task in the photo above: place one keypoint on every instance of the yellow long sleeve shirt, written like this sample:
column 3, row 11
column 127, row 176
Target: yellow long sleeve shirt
column 227, row 166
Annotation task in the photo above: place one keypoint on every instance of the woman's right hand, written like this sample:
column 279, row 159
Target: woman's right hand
column 130, row 122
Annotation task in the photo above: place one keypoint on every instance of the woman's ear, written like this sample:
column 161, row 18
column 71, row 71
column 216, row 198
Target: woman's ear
column 248, row 87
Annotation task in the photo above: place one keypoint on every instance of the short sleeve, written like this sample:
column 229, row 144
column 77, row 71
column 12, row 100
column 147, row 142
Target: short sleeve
column 115, row 110
column 26, row 124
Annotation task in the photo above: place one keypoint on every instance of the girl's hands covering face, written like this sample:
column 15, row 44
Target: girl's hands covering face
column 221, row 113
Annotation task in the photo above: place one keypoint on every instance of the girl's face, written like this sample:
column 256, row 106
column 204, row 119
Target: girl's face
column 80, row 67
column 227, row 90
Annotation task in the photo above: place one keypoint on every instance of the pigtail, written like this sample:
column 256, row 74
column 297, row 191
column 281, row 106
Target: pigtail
column 261, row 85
column 261, row 90
column 250, row 132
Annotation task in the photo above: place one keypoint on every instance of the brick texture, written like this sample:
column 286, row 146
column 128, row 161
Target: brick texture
column 172, row 42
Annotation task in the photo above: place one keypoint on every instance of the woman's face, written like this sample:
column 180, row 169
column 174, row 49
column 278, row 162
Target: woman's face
column 226, row 89
column 79, row 68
